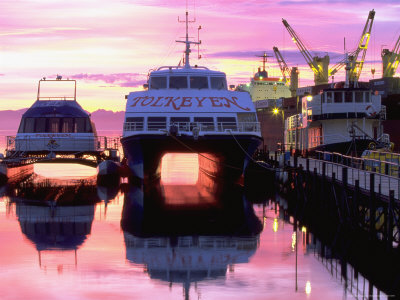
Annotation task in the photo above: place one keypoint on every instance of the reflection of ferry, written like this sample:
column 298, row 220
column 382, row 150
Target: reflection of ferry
column 186, row 245
column 189, row 109
column 55, row 124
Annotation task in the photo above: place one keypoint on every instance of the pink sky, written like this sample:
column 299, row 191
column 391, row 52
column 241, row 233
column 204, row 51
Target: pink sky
column 109, row 46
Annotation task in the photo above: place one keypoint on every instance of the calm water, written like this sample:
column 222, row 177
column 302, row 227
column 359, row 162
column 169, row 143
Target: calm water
column 185, row 237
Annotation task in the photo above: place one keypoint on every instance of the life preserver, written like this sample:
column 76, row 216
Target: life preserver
column 370, row 111
column 372, row 146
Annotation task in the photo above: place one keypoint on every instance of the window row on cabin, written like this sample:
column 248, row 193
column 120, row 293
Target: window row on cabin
column 346, row 97
column 184, row 82
column 55, row 125
column 183, row 123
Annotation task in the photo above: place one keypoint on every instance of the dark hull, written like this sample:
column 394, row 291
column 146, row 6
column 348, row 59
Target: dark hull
column 219, row 156
column 355, row 148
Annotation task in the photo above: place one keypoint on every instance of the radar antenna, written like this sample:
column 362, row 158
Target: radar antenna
column 186, row 41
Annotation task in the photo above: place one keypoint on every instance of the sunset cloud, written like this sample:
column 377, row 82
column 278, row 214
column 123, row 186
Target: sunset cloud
column 120, row 79
column 115, row 43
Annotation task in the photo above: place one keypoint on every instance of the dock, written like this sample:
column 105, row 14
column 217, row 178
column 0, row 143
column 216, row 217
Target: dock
column 342, row 192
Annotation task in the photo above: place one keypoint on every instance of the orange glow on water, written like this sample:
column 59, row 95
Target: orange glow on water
column 62, row 170
column 180, row 168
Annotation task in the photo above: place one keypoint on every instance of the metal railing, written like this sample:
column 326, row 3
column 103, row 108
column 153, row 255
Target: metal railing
column 357, row 169
column 189, row 126
column 95, row 143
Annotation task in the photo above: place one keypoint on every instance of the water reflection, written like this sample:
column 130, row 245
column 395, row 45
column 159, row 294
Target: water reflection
column 56, row 216
column 194, row 239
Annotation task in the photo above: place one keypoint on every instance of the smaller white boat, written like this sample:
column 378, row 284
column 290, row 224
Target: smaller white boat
column 55, row 125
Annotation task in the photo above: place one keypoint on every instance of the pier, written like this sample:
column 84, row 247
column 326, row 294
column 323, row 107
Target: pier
column 343, row 192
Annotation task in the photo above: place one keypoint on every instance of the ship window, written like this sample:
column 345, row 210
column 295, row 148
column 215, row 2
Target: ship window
column 21, row 126
column 181, row 122
column 367, row 97
column 246, row 117
column 348, row 97
column 359, row 97
column 158, row 83
column 29, row 125
column 80, row 124
column 197, row 82
column 226, row 123
column 156, row 123
column 205, row 123
column 53, row 125
column 134, row 123
column 329, row 97
column 218, row 83
column 178, row 82
column 338, row 97
column 67, row 125
column 40, row 125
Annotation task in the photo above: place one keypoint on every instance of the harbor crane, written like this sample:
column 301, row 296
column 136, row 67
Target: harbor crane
column 319, row 65
column 290, row 76
column 390, row 60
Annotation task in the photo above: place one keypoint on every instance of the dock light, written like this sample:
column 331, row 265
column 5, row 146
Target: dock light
column 308, row 287
column 275, row 111
column 275, row 225
column 309, row 98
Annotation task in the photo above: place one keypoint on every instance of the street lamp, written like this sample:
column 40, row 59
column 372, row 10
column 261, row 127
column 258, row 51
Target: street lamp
column 276, row 111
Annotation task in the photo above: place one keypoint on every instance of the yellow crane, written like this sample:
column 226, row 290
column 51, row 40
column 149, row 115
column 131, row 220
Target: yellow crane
column 390, row 60
column 290, row 76
column 319, row 65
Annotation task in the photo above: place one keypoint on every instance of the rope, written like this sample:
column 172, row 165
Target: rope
column 248, row 155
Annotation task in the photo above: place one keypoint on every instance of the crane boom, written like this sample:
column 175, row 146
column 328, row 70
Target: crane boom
column 319, row 65
column 356, row 66
column 355, row 72
column 282, row 65
column 390, row 60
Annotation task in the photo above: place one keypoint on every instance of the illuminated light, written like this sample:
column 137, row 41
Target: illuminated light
column 293, row 241
column 247, row 84
column 275, row 225
column 275, row 111
column 309, row 98
column 180, row 168
column 64, row 170
column 303, row 229
column 308, row 287
column 261, row 78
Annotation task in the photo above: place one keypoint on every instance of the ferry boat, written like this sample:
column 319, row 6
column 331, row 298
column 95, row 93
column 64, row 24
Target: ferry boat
column 342, row 118
column 263, row 87
column 54, row 125
column 189, row 109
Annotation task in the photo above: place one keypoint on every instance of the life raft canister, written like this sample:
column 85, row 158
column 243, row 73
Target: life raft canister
column 370, row 111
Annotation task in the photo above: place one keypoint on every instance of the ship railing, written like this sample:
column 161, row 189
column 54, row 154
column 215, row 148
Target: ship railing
column 187, row 127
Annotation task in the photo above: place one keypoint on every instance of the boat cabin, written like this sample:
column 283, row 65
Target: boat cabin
column 56, row 124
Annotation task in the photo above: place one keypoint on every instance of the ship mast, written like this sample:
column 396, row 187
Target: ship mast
column 186, row 41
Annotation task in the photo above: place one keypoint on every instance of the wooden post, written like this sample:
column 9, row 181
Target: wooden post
column 372, row 205
column 389, row 220
column 356, row 209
